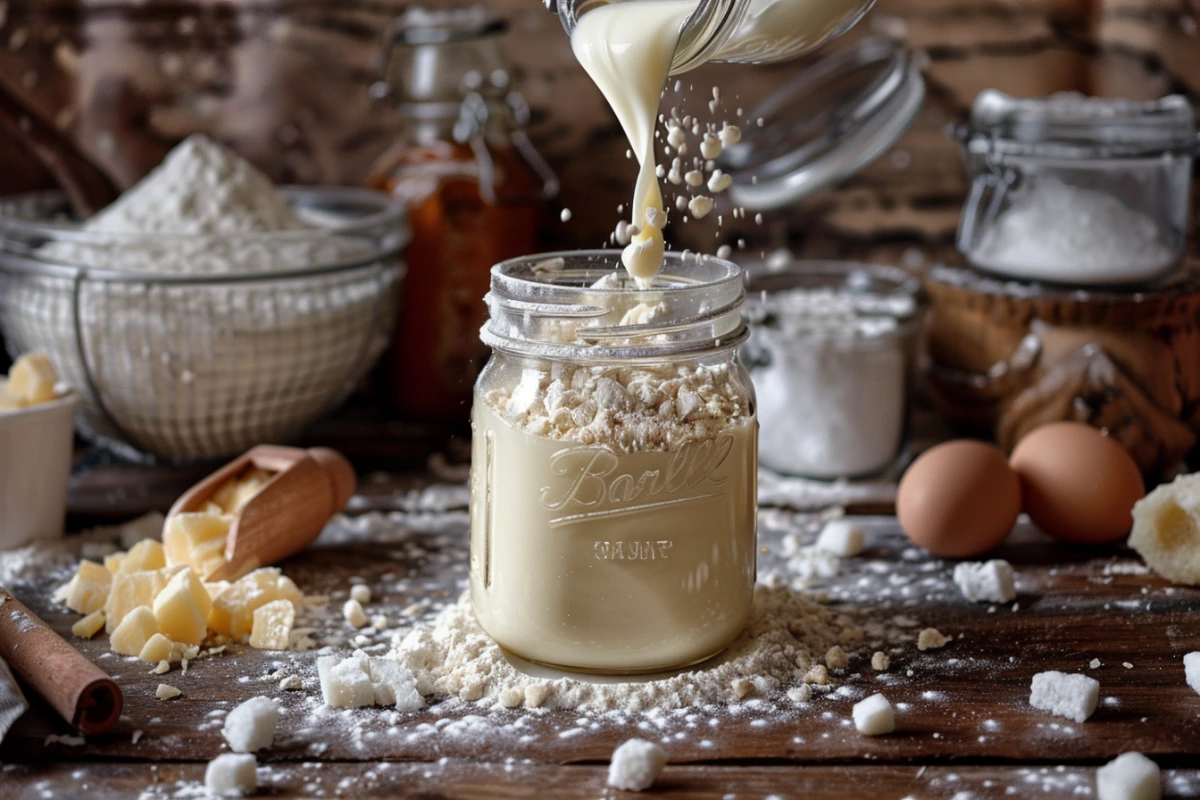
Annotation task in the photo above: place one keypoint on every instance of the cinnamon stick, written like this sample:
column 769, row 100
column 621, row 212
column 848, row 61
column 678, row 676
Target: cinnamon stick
column 76, row 688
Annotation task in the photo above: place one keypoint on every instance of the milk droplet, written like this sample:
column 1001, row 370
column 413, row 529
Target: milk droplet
column 700, row 206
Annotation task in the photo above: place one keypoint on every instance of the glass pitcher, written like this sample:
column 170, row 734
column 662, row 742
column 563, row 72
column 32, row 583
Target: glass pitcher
column 746, row 31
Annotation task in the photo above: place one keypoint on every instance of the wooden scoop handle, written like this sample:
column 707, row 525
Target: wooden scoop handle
column 87, row 187
column 287, row 513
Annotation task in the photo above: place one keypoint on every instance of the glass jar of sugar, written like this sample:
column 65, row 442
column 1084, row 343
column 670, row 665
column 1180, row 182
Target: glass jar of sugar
column 831, row 354
column 744, row 31
column 1076, row 190
column 613, row 471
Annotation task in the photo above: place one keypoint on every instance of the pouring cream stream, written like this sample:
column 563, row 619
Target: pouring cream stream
column 626, row 49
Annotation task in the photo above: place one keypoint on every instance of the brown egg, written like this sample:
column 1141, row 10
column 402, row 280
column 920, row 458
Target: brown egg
column 1078, row 484
column 959, row 499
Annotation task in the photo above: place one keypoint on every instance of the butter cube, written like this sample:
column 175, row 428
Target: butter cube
column 90, row 625
column 146, row 554
column 112, row 562
column 184, row 533
column 165, row 691
column 182, row 607
column 273, row 625
column 88, row 590
column 134, row 631
column 156, row 649
column 233, row 610
column 31, row 380
column 208, row 557
column 234, row 494
column 133, row 589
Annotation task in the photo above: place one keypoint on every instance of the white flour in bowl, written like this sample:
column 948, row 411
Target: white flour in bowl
column 203, row 370
column 204, row 210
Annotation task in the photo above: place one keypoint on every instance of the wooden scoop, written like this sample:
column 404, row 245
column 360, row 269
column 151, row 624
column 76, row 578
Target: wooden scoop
column 286, row 514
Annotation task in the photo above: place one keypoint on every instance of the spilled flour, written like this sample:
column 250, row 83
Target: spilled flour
column 781, row 648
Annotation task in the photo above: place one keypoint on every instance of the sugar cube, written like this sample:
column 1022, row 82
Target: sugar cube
column 251, row 726
column 1191, row 670
column 1071, row 696
column 874, row 716
column 231, row 774
column 636, row 765
column 1130, row 776
column 986, row 581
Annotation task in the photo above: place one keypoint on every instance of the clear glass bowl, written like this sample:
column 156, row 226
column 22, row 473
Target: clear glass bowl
column 1075, row 190
column 202, row 365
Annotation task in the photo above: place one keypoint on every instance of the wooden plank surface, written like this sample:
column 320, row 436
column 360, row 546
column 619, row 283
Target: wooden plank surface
column 472, row 780
column 967, row 701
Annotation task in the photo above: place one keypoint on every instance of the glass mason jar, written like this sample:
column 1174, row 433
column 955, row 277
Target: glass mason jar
column 1075, row 190
column 613, row 472
column 476, row 190
column 832, row 352
column 746, row 31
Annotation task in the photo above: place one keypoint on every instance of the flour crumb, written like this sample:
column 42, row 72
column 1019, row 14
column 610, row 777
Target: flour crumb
column 361, row 593
column 835, row 658
column 931, row 639
column 636, row 765
column 880, row 661
column 354, row 614
column 800, row 694
column 842, row 538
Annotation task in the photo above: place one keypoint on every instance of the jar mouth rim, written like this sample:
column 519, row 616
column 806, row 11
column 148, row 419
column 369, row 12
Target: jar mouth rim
column 582, row 306
column 534, row 270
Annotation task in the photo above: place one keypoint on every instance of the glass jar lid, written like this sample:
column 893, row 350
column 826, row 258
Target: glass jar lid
column 1073, row 125
column 826, row 124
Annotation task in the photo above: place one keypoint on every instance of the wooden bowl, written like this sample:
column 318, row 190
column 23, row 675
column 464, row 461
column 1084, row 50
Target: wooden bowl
column 1006, row 357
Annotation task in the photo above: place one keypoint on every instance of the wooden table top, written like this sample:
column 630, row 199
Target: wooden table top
column 963, row 717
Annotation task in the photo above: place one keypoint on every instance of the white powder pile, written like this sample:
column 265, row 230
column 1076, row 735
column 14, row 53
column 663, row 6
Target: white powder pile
column 632, row 409
column 201, row 188
column 1057, row 232
column 197, row 213
column 782, row 647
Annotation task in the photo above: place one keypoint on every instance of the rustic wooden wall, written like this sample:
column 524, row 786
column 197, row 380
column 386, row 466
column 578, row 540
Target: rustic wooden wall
column 291, row 93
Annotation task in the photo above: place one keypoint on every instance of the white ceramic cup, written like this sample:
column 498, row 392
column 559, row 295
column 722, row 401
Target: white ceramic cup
column 35, row 467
